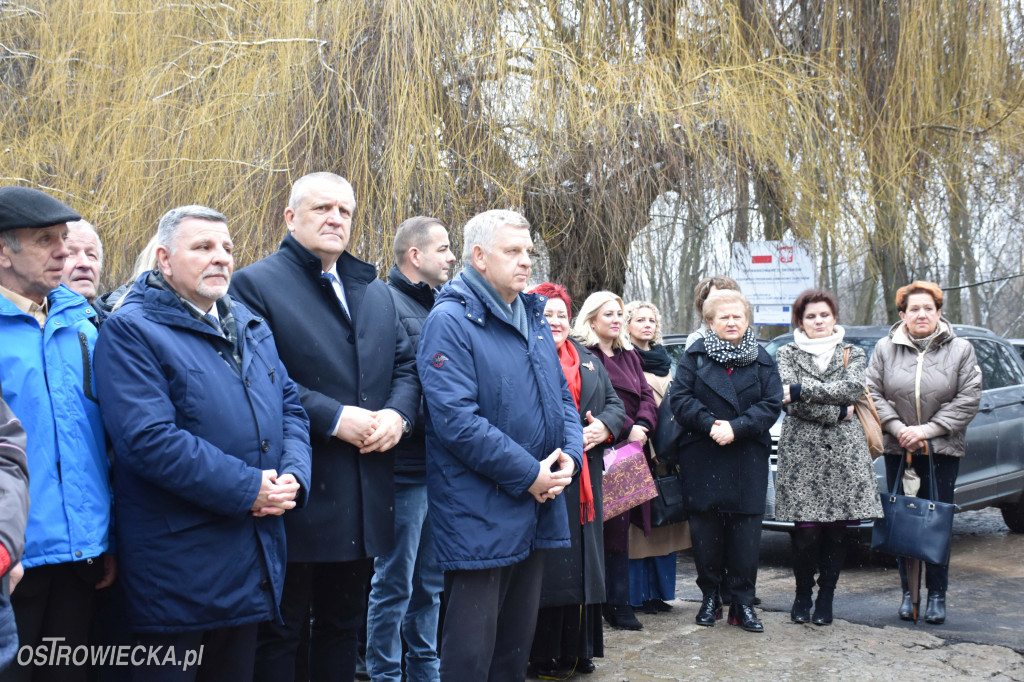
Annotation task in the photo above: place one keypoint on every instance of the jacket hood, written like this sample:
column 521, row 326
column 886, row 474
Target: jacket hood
column 458, row 289
column 421, row 292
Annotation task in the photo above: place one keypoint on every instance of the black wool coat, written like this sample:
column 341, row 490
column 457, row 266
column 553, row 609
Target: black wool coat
column 576, row 575
column 734, row 477
column 369, row 363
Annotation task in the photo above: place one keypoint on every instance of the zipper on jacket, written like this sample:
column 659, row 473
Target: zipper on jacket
column 917, row 378
column 917, row 384
column 86, row 368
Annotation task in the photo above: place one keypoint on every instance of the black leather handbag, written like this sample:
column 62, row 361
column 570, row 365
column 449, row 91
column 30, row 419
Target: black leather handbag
column 669, row 506
column 915, row 527
column 668, row 435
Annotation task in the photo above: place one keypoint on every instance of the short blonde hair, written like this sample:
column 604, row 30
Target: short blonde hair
column 723, row 296
column 584, row 333
column 634, row 306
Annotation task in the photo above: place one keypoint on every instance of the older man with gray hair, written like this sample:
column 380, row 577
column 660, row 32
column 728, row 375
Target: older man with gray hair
column 211, row 449
column 85, row 260
column 48, row 336
column 503, row 441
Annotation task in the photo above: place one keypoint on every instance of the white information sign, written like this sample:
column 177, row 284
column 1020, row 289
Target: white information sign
column 772, row 275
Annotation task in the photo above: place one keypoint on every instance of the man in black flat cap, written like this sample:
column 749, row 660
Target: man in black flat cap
column 46, row 369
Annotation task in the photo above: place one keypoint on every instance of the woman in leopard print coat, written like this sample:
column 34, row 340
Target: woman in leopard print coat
column 825, row 479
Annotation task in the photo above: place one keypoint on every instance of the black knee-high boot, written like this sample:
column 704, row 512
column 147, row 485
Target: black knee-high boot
column 806, row 548
column 833, row 556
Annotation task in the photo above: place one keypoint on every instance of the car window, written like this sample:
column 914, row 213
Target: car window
column 994, row 368
column 1013, row 370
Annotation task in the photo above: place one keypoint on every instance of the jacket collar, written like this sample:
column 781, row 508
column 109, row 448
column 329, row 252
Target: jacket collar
column 421, row 292
column 718, row 379
column 589, row 368
column 59, row 300
column 477, row 308
column 898, row 335
column 164, row 307
column 349, row 267
column 807, row 363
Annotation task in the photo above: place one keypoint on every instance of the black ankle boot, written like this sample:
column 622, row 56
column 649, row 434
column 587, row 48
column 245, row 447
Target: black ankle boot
column 935, row 612
column 906, row 611
column 823, row 607
column 801, row 611
column 710, row 610
column 621, row 616
column 744, row 616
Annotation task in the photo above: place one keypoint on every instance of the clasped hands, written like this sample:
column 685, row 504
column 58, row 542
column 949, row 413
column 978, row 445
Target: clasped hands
column 551, row 481
column 721, row 432
column 912, row 438
column 277, row 494
column 370, row 431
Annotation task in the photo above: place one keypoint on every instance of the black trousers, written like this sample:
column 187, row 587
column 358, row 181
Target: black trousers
column 55, row 600
column 725, row 547
column 332, row 598
column 489, row 622
column 946, row 469
column 215, row 655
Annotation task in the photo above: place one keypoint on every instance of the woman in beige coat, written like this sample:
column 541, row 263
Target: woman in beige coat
column 652, row 551
column 926, row 385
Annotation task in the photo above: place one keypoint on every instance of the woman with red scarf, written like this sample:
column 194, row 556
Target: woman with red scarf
column 569, row 628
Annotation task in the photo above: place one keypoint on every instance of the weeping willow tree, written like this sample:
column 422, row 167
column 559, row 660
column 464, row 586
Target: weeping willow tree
column 583, row 114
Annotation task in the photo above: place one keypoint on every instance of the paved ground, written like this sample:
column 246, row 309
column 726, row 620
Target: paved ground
column 982, row 639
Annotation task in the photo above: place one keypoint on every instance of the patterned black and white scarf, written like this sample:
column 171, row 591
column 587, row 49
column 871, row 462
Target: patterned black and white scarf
column 725, row 353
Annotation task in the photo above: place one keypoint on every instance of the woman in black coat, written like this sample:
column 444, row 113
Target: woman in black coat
column 727, row 394
column 569, row 633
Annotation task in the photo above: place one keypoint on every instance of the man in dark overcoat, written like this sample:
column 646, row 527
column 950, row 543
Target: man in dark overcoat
column 342, row 342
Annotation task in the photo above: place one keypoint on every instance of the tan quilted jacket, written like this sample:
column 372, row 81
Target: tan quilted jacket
column 939, row 388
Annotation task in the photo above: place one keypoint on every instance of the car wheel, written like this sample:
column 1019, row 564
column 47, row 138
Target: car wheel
column 1013, row 515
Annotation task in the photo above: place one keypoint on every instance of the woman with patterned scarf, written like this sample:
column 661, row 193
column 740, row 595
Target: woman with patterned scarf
column 727, row 394
column 569, row 631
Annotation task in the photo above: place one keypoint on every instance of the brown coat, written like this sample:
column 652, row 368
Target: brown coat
column 939, row 388
column 666, row 539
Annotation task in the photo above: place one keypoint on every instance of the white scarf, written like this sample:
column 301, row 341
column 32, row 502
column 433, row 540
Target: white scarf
column 821, row 349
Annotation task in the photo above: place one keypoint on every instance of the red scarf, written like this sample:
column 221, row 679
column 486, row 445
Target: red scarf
column 570, row 361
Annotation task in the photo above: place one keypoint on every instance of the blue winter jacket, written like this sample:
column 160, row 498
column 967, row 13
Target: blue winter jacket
column 191, row 435
column 497, row 404
column 48, row 382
